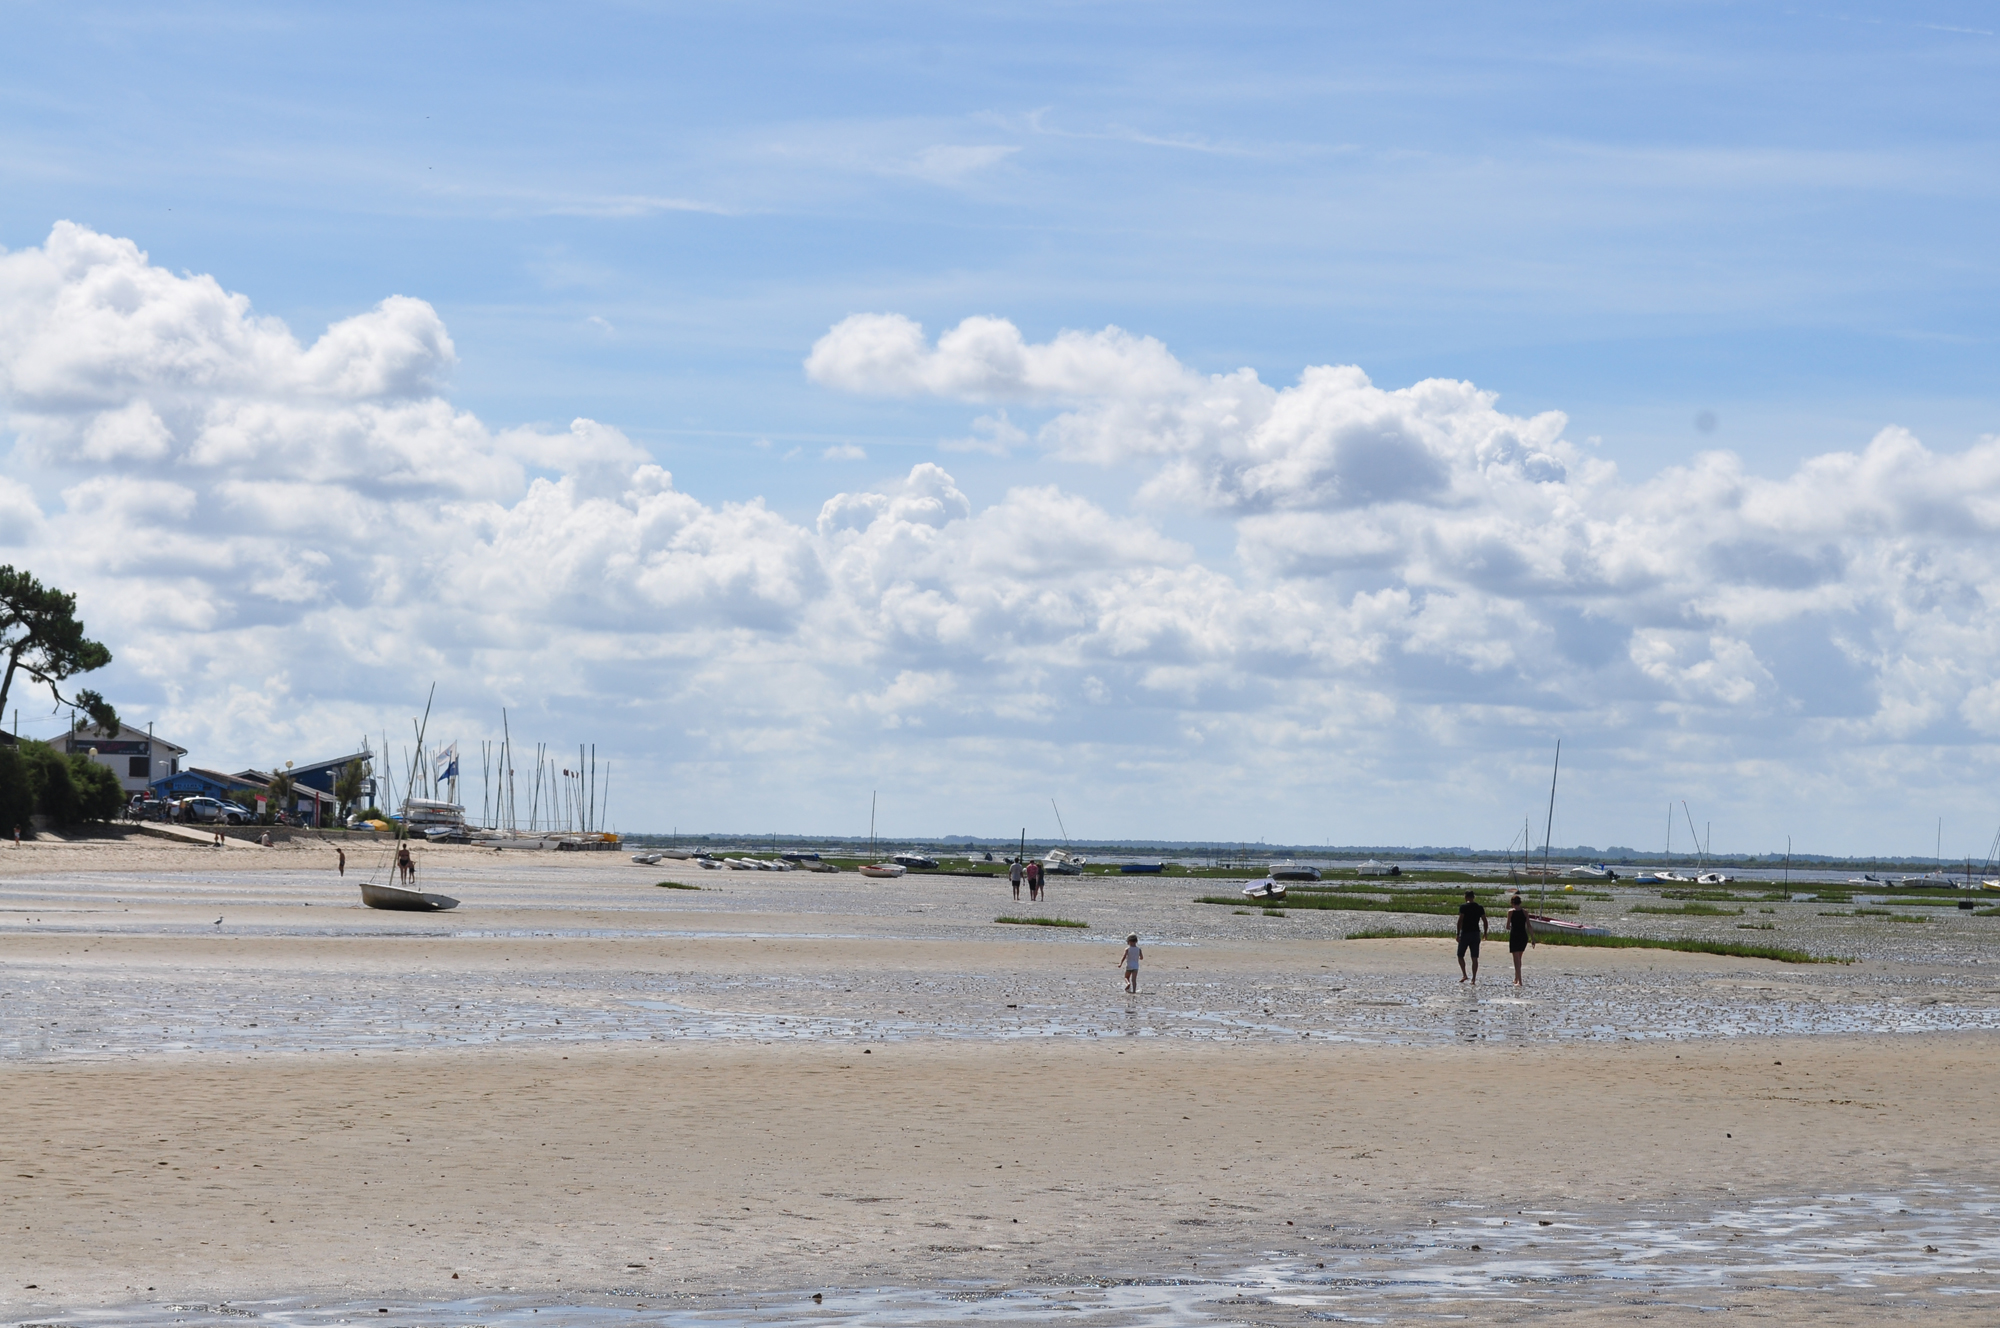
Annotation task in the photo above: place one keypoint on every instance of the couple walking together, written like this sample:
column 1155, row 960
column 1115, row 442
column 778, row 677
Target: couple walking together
column 1031, row 873
column 1472, row 928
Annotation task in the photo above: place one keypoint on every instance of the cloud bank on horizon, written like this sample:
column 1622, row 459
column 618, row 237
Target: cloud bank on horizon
column 284, row 543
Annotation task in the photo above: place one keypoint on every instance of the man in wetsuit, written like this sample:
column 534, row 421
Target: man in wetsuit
column 1471, row 930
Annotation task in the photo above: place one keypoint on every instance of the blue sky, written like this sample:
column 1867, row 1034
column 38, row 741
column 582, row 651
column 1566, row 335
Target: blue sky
column 1765, row 229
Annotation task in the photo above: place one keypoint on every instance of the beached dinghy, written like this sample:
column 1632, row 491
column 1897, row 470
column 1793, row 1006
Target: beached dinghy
column 1266, row 890
column 707, row 863
column 406, row 901
column 1541, row 922
column 647, row 859
column 1564, row 927
column 884, row 870
column 1293, row 871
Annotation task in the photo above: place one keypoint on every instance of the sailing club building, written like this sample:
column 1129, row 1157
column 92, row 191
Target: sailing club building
column 136, row 756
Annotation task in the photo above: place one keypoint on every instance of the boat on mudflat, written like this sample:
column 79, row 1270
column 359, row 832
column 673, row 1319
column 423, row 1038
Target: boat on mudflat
column 1292, row 871
column 1142, row 868
column 1060, row 862
column 884, row 870
column 1564, row 927
column 1269, row 889
column 396, row 898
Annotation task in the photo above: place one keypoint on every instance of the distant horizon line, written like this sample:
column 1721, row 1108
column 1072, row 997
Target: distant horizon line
column 1617, row 854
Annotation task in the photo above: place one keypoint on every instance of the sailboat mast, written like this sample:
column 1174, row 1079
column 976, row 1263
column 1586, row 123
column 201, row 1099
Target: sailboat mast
column 871, row 823
column 1549, row 832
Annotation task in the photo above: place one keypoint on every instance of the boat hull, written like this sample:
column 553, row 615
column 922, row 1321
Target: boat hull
column 1142, row 868
column 1265, row 891
column 884, row 871
column 1564, row 927
column 398, row 900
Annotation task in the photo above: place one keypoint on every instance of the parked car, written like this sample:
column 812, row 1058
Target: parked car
column 208, row 811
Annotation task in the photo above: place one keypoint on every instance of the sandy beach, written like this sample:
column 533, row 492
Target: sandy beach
column 582, row 1094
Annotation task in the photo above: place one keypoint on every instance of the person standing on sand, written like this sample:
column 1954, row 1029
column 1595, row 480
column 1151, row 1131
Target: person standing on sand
column 1014, row 875
column 404, row 867
column 1472, row 928
column 1133, row 954
column 1519, row 935
column 341, row 853
column 1034, row 881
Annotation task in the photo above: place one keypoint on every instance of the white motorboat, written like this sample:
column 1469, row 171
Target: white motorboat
column 1713, row 878
column 647, row 859
column 739, row 864
column 884, row 870
column 1596, row 872
column 707, row 863
column 1372, row 868
column 1266, row 890
column 1060, row 862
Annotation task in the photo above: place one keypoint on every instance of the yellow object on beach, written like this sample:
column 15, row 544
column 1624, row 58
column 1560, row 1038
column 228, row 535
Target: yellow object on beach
column 1569, row 887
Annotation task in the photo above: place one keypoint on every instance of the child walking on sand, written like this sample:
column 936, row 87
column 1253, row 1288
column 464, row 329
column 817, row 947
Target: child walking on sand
column 1133, row 954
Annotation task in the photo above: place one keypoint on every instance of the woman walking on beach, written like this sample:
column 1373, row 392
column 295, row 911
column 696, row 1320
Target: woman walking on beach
column 1133, row 954
column 1519, row 935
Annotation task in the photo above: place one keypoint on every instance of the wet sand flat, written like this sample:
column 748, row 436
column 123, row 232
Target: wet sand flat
column 761, row 1167
column 222, row 1079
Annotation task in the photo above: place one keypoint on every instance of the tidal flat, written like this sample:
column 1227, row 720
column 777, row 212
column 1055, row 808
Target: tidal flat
column 232, row 1094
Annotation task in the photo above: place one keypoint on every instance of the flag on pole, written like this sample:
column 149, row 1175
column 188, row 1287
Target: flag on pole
column 446, row 763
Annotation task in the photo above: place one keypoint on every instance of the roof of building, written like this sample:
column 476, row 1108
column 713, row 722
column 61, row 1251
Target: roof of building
column 227, row 781
column 126, row 733
column 262, row 779
column 335, row 763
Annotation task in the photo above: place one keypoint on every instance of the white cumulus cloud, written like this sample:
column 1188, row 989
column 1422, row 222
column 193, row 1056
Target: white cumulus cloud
column 286, row 541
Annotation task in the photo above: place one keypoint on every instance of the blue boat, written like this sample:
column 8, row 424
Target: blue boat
column 1136, row 868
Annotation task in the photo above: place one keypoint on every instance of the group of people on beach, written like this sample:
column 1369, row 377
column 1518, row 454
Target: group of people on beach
column 1473, row 928
column 1031, row 872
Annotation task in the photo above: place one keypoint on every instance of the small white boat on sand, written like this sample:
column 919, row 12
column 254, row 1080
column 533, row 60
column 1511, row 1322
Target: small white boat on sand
column 884, row 870
column 1266, row 890
column 1564, row 927
column 397, row 899
column 1292, row 871
column 647, row 859
column 708, row 864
